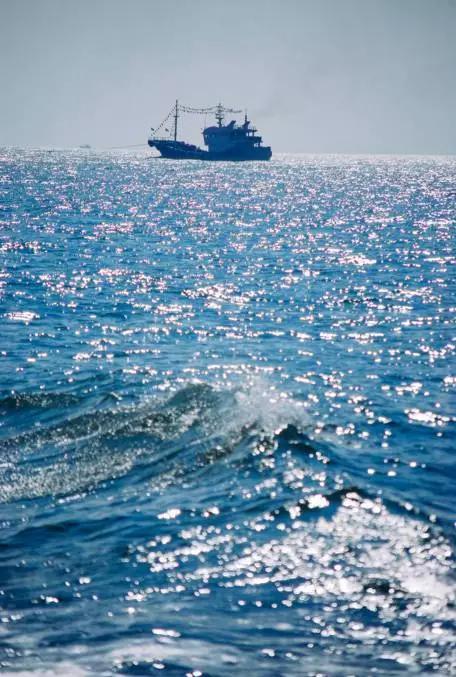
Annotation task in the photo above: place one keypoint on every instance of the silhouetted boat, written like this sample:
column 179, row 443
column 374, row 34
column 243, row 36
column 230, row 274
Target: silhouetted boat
column 224, row 142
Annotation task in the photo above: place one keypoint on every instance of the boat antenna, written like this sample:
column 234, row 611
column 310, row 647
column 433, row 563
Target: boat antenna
column 176, row 115
column 219, row 114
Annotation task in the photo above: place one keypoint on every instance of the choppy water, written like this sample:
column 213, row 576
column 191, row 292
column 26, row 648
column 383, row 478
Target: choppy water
column 226, row 415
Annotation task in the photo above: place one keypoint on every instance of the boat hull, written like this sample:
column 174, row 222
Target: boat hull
column 179, row 150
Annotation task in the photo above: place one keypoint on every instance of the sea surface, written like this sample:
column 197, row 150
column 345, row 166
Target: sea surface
column 227, row 399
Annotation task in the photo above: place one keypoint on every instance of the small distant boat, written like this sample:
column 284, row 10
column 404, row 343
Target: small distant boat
column 85, row 146
column 224, row 142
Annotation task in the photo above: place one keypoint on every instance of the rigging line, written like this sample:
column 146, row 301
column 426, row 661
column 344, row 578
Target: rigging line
column 134, row 145
column 165, row 120
column 200, row 111
column 209, row 109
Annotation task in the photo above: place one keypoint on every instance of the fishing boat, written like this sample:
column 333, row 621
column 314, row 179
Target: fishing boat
column 233, row 141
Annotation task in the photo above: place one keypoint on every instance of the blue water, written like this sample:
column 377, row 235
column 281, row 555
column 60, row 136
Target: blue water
column 226, row 415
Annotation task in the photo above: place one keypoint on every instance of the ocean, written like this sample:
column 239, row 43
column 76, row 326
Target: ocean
column 227, row 427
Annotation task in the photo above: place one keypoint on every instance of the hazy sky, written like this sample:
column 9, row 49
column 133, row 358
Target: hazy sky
column 353, row 76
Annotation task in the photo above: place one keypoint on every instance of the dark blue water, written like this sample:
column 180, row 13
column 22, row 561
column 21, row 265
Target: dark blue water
column 226, row 415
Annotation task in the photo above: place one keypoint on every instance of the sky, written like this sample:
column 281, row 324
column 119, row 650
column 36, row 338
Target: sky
column 316, row 76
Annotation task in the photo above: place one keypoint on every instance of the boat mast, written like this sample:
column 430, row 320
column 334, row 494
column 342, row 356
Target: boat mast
column 176, row 115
